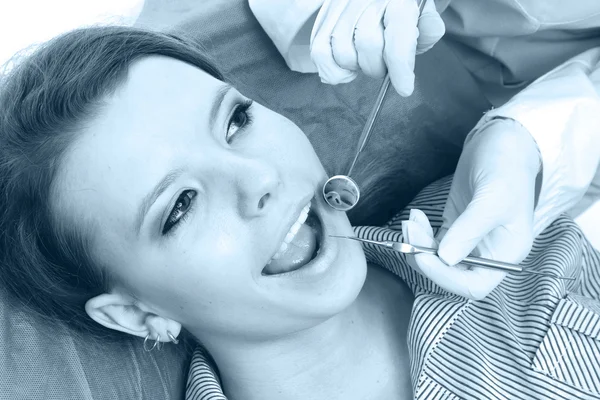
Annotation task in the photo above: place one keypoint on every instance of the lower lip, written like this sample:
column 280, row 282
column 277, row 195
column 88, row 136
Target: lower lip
column 321, row 263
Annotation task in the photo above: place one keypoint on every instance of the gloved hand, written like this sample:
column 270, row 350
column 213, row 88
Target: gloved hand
column 490, row 209
column 373, row 36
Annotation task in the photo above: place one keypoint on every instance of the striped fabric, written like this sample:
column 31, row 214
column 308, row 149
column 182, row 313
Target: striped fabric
column 533, row 337
column 203, row 382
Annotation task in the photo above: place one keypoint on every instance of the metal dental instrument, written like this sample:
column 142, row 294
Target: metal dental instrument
column 340, row 191
column 478, row 261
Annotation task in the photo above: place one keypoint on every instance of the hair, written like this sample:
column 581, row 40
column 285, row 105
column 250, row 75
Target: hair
column 44, row 100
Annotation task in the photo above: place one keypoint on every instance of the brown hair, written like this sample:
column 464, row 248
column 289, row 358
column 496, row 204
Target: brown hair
column 44, row 99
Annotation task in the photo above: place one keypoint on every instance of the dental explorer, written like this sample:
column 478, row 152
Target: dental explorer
column 406, row 248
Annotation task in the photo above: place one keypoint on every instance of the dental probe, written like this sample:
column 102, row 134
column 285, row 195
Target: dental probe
column 406, row 248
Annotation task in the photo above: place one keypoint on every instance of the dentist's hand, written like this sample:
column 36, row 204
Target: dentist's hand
column 489, row 211
column 375, row 37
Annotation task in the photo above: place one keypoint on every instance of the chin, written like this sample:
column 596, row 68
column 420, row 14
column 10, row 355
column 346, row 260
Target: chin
column 352, row 277
column 325, row 283
column 334, row 296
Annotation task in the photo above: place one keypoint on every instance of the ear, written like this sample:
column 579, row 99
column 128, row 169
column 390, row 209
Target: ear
column 122, row 313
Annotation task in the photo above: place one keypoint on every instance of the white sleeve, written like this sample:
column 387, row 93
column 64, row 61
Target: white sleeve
column 289, row 24
column 561, row 110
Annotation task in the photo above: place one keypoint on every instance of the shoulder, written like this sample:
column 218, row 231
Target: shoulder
column 430, row 200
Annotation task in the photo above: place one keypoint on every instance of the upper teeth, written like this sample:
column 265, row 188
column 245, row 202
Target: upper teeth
column 292, row 232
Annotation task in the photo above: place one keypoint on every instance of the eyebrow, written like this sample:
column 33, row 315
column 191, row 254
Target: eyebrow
column 151, row 197
column 216, row 105
column 168, row 179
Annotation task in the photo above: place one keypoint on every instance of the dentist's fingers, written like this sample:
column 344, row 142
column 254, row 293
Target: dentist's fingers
column 474, row 283
column 468, row 230
column 420, row 218
column 373, row 36
column 417, row 230
column 431, row 27
column 320, row 44
column 400, row 34
column 441, row 233
column 369, row 40
column 494, row 224
column 510, row 242
column 342, row 35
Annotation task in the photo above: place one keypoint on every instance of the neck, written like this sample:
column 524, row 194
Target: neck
column 287, row 367
column 319, row 360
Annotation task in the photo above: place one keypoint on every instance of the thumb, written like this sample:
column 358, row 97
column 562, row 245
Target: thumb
column 431, row 27
column 466, row 232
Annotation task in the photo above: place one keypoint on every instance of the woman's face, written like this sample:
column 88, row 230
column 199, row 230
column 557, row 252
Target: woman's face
column 189, row 191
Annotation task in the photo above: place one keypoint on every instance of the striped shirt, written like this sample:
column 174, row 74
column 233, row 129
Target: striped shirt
column 533, row 337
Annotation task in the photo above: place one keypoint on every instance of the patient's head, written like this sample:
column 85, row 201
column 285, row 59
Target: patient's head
column 142, row 190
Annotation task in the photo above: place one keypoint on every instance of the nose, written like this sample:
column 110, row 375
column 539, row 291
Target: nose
column 258, row 184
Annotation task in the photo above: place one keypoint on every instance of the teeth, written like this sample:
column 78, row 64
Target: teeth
column 292, row 232
column 280, row 252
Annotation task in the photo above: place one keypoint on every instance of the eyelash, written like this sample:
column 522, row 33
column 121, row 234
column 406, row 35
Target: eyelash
column 174, row 221
column 177, row 216
column 240, row 108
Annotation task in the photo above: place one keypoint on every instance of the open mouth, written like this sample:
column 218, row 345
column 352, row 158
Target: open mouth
column 300, row 246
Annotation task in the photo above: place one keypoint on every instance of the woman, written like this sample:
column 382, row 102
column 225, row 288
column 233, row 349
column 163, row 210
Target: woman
column 143, row 194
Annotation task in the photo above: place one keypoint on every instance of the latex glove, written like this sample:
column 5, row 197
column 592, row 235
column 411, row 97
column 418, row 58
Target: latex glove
column 489, row 211
column 373, row 36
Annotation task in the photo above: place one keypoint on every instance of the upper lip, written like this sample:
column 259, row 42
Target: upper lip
column 289, row 221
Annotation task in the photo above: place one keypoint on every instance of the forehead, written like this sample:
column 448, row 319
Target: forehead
column 136, row 137
column 162, row 83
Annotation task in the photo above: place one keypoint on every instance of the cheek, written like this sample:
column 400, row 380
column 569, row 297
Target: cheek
column 279, row 133
column 200, row 270
column 290, row 142
column 202, row 281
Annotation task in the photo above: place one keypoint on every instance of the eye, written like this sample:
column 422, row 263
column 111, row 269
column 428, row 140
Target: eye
column 180, row 211
column 240, row 119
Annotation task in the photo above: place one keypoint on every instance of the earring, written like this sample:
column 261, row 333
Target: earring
column 173, row 338
column 157, row 344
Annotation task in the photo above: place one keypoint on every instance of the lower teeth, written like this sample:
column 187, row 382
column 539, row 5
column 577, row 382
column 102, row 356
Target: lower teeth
column 314, row 224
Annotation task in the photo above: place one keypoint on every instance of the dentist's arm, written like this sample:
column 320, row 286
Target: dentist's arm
column 340, row 38
column 550, row 132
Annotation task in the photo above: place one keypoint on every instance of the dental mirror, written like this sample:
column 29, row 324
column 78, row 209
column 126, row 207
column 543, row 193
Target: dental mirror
column 340, row 191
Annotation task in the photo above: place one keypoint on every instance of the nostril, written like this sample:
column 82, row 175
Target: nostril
column 263, row 200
